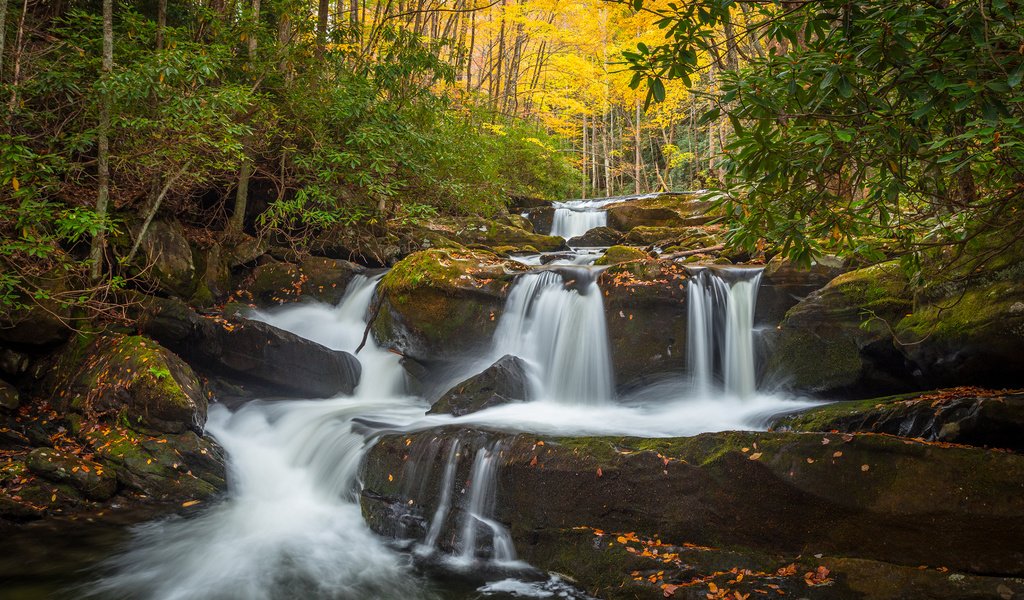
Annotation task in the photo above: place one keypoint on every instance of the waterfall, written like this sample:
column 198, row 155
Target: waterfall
column 570, row 221
column 444, row 503
column 555, row 321
column 482, row 500
column 720, row 329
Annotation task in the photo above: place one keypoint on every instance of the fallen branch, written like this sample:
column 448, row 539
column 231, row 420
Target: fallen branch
column 152, row 211
column 685, row 253
column 373, row 317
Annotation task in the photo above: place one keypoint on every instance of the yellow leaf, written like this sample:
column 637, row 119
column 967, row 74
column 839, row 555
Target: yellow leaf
column 190, row 503
column 15, row 183
column 713, row 587
column 754, row 456
column 390, row 477
column 161, row 78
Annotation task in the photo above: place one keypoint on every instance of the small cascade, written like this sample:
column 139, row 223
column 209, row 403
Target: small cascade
column 575, row 218
column 554, row 319
column 482, row 500
column 721, row 329
column 444, row 503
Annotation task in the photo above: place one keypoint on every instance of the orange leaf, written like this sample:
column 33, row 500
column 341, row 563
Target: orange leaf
column 599, row 472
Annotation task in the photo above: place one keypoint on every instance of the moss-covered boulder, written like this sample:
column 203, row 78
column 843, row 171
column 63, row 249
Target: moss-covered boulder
column 131, row 378
column 543, row 218
column 309, row 277
column 664, row 210
column 621, row 254
column 167, row 257
column 839, row 338
column 973, row 416
column 86, row 476
column 645, row 313
column 784, row 284
column 504, row 230
column 975, row 336
column 441, row 302
column 503, row 382
column 871, row 497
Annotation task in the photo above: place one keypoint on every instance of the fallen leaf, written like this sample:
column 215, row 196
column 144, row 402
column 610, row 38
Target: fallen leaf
column 825, row 441
column 837, row 454
column 190, row 503
column 865, row 468
column 754, row 456
column 600, row 473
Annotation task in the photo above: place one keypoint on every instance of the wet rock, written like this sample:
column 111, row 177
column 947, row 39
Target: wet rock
column 784, row 284
column 323, row 279
column 13, row 363
column 543, row 218
column 442, row 303
column 523, row 203
column 129, row 377
column 501, row 383
column 971, row 416
column 253, row 351
column 86, row 476
column 870, row 497
column 974, row 337
column 838, row 340
column 645, row 313
column 9, row 397
column 167, row 250
column 42, row 323
column 596, row 237
column 620, row 254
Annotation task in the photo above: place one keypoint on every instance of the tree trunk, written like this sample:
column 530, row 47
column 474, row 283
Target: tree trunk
column 19, row 41
column 323, row 12
column 636, row 151
column 103, row 145
column 161, row 23
column 237, row 221
column 3, row 30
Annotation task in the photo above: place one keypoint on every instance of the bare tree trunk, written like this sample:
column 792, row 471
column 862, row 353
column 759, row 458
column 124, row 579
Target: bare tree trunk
column 18, row 45
column 3, row 31
column 322, row 13
column 161, row 23
column 469, row 52
column 636, row 152
column 594, row 181
column 583, row 169
column 237, row 221
column 103, row 144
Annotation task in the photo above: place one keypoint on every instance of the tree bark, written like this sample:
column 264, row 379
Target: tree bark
column 323, row 12
column 3, row 31
column 103, row 144
column 636, row 150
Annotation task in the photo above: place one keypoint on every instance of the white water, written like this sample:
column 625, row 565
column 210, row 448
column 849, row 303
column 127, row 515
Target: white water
column 561, row 332
column 291, row 525
column 571, row 222
column 721, row 324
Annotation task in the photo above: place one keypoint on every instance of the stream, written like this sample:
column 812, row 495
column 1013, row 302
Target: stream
column 291, row 526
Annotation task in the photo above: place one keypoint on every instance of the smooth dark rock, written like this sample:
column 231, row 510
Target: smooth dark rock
column 596, row 237
column 501, row 383
column 870, row 497
column 166, row 251
column 252, row 350
column 317, row 278
column 9, row 397
column 784, row 284
column 961, row 416
column 542, row 218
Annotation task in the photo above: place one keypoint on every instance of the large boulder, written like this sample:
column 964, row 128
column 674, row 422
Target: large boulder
column 440, row 303
column 543, row 218
column 971, row 416
column 42, row 321
column 87, row 476
column 664, row 210
column 168, row 257
column 621, row 254
column 975, row 336
column 866, row 497
column 131, row 378
column 596, row 237
column 251, row 351
column 784, row 284
column 316, row 277
column 503, row 382
column 838, row 340
column 646, row 315
column 10, row 399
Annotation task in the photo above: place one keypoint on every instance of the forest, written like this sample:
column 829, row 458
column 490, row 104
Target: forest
column 466, row 299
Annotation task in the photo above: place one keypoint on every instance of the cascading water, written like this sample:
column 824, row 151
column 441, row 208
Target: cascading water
column 575, row 218
column 482, row 500
column 721, row 329
column 555, row 320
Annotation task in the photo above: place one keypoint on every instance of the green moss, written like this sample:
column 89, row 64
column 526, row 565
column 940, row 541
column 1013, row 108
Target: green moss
column 435, row 268
column 621, row 254
column 881, row 286
column 956, row 318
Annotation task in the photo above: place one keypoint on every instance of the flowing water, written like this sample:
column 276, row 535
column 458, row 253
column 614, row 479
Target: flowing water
column 291, row 525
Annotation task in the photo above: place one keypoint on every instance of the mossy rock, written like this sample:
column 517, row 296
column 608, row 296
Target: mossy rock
column 972, row 416
column 309, row 278
column 129, row 377
column 166, row 250
column 839, row 338
column 87, row 476
column 863, row 496
column 973, row 337
column 440, row 302
column 507, row 230
column 621, row 254
column 663, row 210
column 644, row 235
